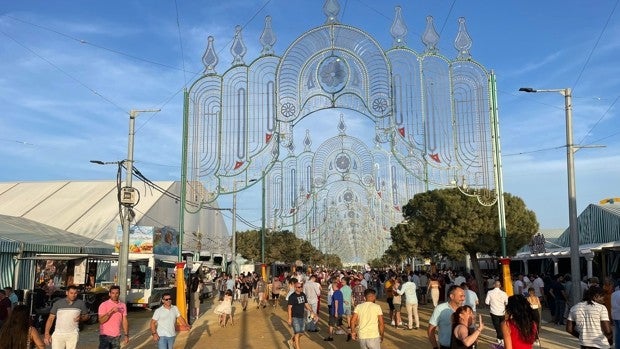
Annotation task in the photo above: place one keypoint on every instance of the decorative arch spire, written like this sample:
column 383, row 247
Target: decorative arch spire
column 209, row 59
column 307, row 141
column 463, row 41
column 267, row 38
column 291, row 144
column 399, row 29
column 342, row 126
column 430, row 38
column 331, row 9
column 238, row 48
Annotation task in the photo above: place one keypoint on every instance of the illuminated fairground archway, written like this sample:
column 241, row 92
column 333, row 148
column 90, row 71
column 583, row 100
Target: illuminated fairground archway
column 432, row 125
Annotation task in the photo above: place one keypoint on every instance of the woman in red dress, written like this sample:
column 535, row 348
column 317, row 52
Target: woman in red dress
column 519, row 328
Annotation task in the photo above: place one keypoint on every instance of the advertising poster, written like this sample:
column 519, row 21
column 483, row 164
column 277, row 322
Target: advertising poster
column 166, row 241
column 144, row 239
column 140, row 239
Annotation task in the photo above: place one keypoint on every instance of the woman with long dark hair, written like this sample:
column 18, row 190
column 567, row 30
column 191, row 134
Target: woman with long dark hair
column 520, row 329
column 464, row 336
column 17, row 333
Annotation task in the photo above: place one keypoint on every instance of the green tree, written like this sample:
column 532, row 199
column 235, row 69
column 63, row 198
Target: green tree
column 248, row 244
column 282, row 246
column 447, row 222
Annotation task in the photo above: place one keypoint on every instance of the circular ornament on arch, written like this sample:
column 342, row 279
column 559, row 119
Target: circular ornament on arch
column 380, row 105
column 288, row 109
column 333, row 74
column 348, row 196
column 343, row 162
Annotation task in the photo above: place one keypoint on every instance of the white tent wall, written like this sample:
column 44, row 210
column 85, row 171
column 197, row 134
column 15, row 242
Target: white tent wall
column 90, row 209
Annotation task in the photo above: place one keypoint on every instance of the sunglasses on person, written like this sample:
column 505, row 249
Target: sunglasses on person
column 167, row 299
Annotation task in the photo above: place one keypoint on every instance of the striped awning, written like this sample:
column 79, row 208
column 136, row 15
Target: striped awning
column 597, row 224
column 8, row 246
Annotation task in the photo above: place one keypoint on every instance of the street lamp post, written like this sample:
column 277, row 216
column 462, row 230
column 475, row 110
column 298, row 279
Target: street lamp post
column 572, row 201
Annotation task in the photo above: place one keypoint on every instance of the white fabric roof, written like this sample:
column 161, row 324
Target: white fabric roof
column 90, row 208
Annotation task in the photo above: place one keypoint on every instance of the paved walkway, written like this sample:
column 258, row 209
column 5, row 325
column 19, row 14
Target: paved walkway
column 267, row 328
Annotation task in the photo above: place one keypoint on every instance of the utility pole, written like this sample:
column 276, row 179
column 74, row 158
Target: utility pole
column 575, row 266
column 128, row 203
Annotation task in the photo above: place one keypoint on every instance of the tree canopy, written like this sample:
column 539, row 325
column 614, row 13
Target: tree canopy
column 447, row 222
column 282, row 246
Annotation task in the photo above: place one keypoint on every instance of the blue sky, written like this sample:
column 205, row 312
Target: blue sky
column 71, row 70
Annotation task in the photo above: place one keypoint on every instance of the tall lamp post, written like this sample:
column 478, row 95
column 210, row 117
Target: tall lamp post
column 572, row 201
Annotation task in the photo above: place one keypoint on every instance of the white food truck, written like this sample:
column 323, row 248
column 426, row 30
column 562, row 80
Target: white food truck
column 153, row 254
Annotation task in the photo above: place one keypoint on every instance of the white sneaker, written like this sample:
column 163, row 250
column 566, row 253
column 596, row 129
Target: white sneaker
column 393, row 323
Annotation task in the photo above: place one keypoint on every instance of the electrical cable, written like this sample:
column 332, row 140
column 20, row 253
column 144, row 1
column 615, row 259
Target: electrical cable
column 85, row 42
column 65, row 73
column 598, row 40
column 176, row 8
column 599, row 120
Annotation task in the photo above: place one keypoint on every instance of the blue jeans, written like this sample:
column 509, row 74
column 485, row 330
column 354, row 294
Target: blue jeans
column 109, row 342
column 299, row 325
column 165, row 343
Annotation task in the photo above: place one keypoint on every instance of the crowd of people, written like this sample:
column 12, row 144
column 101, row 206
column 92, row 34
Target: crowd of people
column 455, row 298
column 352, row 308
column 62, row 326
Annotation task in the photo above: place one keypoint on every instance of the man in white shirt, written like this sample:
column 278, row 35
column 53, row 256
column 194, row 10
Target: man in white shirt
column 312, row 289
column 528, row 283
column 471, row 298
column 519, row 286
column 589, row 321
column 497, row 300
column 539, row 287
column 459, row 279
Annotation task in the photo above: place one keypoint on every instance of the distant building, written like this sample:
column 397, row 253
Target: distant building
column 599, row 244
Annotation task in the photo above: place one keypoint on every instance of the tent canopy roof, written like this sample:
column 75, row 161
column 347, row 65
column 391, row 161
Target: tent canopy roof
column 17, row 233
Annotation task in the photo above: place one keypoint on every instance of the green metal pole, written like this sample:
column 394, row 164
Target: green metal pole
column 499, row 177
column 183, row 194
column 499, row 180
column 182, row 296
column 262, row 230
